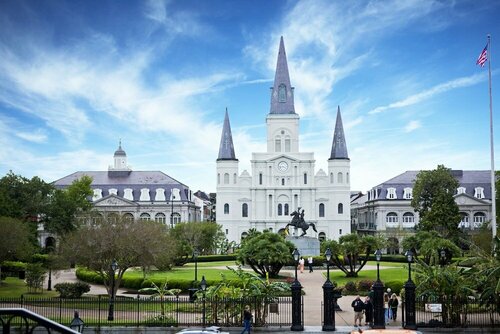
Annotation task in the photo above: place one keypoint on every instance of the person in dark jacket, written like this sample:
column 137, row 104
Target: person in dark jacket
column 358, row 306
column 393, row 305
column 247, row 320
column 368, row 311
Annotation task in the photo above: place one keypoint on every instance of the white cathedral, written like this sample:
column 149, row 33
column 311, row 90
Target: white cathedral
column 283, row 179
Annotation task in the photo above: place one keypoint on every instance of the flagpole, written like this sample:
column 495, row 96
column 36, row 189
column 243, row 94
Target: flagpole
column 493, row 193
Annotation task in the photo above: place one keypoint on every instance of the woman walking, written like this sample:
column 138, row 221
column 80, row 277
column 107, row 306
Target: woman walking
column 393, row 305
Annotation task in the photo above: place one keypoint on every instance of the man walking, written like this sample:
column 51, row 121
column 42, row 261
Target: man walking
column 310, row 263
column 358, row 306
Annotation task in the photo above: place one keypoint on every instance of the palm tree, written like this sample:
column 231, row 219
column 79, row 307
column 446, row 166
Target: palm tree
column 160, row 291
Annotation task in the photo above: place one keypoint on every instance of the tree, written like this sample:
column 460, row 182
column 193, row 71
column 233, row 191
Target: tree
column 23, row 198
column 266, row 253
column 205, row 237
column 354, row 249
column 102, row 239
column 67, row 204
column 161, row 291
column 15, row 236
column 433, row 199
column 428, row 245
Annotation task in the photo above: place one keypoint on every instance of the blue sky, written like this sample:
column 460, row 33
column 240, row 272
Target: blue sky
column 76, row 76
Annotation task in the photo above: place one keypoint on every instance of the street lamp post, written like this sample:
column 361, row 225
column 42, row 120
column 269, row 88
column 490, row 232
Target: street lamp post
column 442, row 257
column 409, row 286
column 77, row 324
column 193, row 289
column 114, row 266
column 378, row 297
column 328, row 300
column 296, row 297
column 49, row 284
column 203, row 285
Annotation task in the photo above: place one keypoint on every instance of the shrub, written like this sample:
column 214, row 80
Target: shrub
column 72, row 290
column 395, row 286
column 88, row 276
column 350, row 287
column 365, row 285
column 35, row 275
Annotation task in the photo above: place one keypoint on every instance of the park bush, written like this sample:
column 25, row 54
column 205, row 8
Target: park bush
column 396, row 286
column 35, row 275
column 365, row 285
column 72, row 289
column 350, row 287
column 88, row 276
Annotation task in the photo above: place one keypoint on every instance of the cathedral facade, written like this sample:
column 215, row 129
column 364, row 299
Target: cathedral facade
column 283, row 179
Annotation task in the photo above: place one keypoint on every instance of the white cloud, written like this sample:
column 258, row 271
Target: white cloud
column 36, row 137
column 433, row 91
column 412, row 126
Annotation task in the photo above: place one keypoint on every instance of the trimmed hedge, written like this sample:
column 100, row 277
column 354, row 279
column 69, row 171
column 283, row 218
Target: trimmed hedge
column 137, row 283
column 215, row 258
column 13, row 266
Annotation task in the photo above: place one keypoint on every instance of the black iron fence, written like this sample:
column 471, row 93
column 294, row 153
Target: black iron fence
column 455, row 312
column 172, row 311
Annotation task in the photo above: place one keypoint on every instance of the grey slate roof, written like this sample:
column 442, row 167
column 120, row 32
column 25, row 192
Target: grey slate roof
column 282, row 77
column 226, row 147
column 469, row 179
column 135, row 180
column 339, row 146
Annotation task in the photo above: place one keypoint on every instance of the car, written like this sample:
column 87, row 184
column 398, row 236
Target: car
column 384, row 331
column 206, row 330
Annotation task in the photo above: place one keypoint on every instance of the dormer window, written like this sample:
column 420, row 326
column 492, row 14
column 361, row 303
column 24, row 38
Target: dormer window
column 127, row 194
column 460, row 190
column 113, row 191
column 97, row 194
column 282, row 93
column 160, row 194
column 408, row 193
column 144, row 194
column 391, row 193
column 479, row 192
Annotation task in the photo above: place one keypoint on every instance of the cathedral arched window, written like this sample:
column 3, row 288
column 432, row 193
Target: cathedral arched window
column 226, row 209
column 347, row 177
column 282, row 93
column 340, row 208
column 226, row 178
column 321, row 210
column 340, row 178
column 145, row 216
column 286, row 210
column 280, row 210
column 305, row 178
column 331, row 177
column 235, row 178
column 244, row 210
column 260, row 178
column 277, row 145
column 218, row 178
column 287, row 144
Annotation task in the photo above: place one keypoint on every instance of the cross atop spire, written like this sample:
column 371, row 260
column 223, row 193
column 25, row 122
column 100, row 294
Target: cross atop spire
column 282, row 90
column 226, row 148
column 339, row 147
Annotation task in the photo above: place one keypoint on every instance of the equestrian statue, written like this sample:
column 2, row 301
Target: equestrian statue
column 298, row 222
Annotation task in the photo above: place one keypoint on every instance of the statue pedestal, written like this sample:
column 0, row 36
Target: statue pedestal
column 305, row 245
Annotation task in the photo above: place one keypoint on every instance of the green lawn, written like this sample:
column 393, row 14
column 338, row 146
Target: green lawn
column 184, row 273
column 398, row 271
column 13, row 287
column 210, row 264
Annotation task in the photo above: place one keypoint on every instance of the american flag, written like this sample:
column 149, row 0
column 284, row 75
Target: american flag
column 483, row 57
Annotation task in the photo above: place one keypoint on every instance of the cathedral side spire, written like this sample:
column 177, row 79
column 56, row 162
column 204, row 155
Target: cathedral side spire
column 339, row 147
column 282, row 90
column 226, row 147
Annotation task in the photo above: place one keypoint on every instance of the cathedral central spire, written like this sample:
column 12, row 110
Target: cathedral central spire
column 339, row 146
column 226, row 147
column 282, row 90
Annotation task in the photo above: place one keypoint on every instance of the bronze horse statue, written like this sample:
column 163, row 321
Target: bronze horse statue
column 298, row 222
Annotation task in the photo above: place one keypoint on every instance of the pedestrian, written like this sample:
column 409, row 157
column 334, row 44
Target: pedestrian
column 301, row 264
column 247, row 319
column 368, row 311
column 310, row 263
column 393, row 305
column 358, row 306
column 387, row 310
